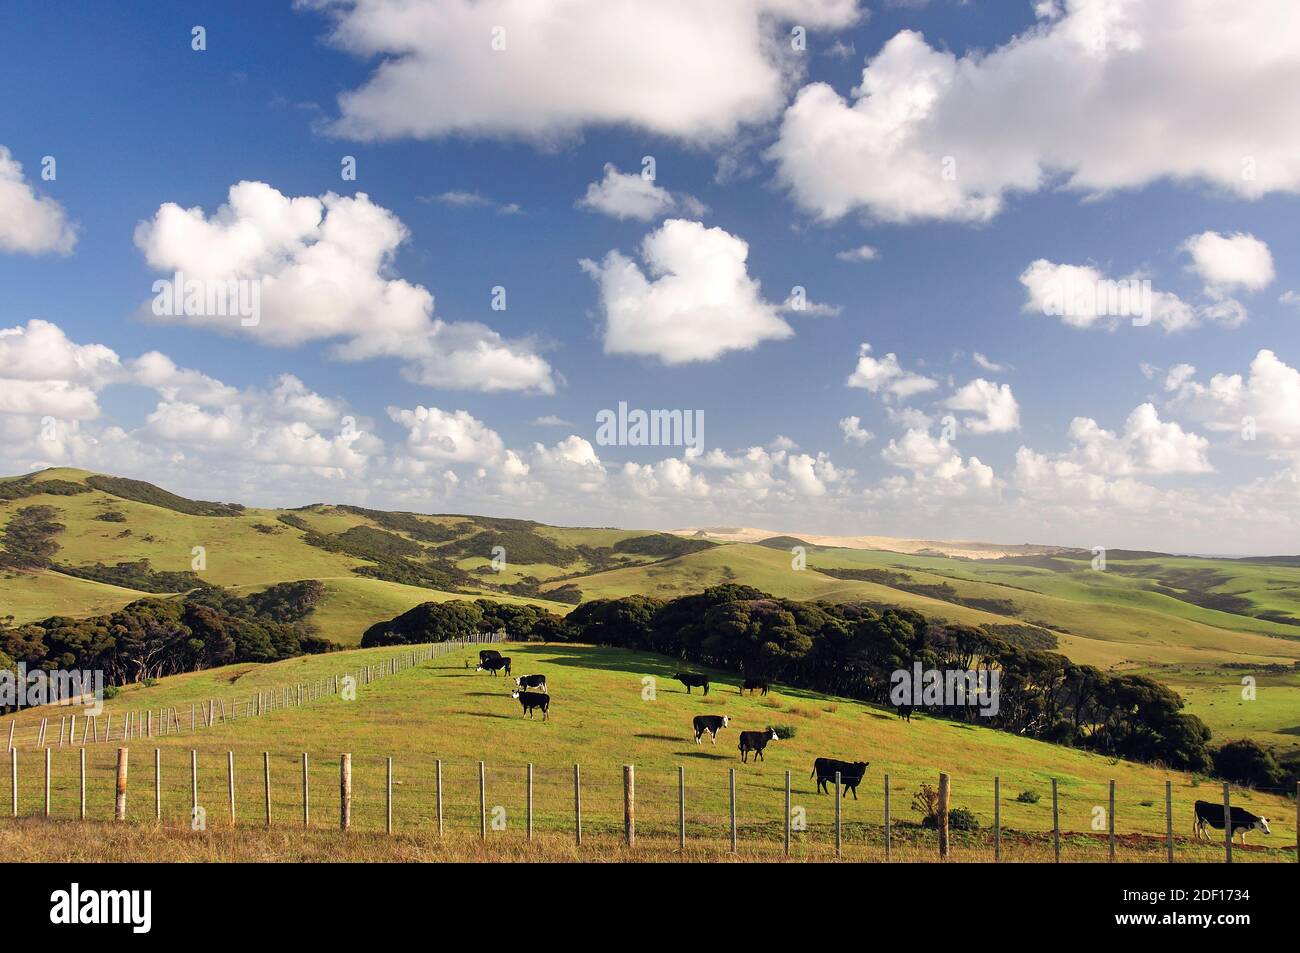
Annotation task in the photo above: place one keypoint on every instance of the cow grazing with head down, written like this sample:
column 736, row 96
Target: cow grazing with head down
column 905, row 712
column 710, row 723
column 851, row 772
column 1208, row 812
column 754, row 685
column 756, row 741
column 532, row 681
column 531, row 700
column 693, row 680
column 495, row 665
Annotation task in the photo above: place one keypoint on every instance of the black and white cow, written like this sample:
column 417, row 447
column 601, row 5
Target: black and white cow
column 851, row 773
column 710, row 723
column 485, row 654
column 494, row 665
column 531, row 681
column 531, row 700
column 756, row 741
column 693, row 680
column 1208, row 812
column 754, row 684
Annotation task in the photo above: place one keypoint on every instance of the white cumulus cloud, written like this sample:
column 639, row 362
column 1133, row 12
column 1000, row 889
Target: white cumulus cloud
column 929, row 134
column 694, row 302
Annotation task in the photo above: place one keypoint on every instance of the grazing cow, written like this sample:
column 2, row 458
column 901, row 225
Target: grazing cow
column 851, row 773
column 693, row 680
column 531, row 700
column 711, row 724
column 1208, row 812
column 754, row 684
column 531, row 681
column 905, row 712
column 494, row 665
column 756, row 741
column 485, row 654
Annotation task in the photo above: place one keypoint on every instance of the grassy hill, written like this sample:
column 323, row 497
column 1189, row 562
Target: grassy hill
column 603, row 716
column 1190, row 622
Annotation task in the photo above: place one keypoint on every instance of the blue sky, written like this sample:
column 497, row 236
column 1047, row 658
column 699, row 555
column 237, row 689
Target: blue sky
column 487, row 183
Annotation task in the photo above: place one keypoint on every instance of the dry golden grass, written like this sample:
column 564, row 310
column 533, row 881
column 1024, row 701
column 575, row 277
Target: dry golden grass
column 46, row 841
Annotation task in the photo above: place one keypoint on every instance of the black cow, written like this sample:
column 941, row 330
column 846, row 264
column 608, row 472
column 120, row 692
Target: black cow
column 531, row 700
column 494, row 665
column 711, row 724
column 531, row 681
column 485, row 654
column 905, row 712
column 1208, row 812
column 851, row 773
column 693, row 680
column 756, row 741
column 754, row 684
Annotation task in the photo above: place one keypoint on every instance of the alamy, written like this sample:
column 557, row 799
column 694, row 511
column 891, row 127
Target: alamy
column 654, row 428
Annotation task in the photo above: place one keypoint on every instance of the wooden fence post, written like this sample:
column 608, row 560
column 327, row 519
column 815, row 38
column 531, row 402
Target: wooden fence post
column 945, row 795
column 997, row 819
column 787, row 814
column 48, row 753
column 629, row 805
column 1111, row 816
column 345, row 791
column 13, row 776
column 731, row 786
column 482, row 801
column 1227, row 823
column 681, row 809
column 266, row 784
column 1056, row 823
column 1169, row 821
column 388, row 798
column 119, row 810
column 438, row 787
column 12, row 725
column 83, row 783
column 889, row 845
column 577, row 805
column 157, row 785
column 530, row 800
column 839, row 839
column 230, row 783
column 306, row 795
column 194, row 784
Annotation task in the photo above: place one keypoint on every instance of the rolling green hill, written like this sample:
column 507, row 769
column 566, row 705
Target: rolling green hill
column 1198, row 624
column 609, row 708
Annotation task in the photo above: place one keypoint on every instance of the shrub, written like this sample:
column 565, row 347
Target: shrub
column 1028, row 797
column 1246, row 762
column 784, row 731
column 962, row 819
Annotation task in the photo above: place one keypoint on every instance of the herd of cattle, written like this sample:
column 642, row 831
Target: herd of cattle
column 531, row 692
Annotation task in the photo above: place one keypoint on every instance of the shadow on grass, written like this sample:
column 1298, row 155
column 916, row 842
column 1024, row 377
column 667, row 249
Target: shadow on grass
column 484, row 714
column 659, row 737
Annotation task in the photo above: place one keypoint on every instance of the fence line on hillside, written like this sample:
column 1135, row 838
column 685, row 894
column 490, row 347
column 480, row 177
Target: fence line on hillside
column 584, row 805
column 76, row 731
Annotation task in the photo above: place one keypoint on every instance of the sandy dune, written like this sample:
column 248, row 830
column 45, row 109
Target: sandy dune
column 964, row 549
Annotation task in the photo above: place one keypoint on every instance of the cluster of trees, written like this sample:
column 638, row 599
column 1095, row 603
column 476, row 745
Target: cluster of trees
column 462, row 618
column 853, row 650
column 155, row 637
column 28, row 539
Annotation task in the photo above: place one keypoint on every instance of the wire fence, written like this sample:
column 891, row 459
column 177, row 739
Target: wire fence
column 72, row 730
column 778, row 814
